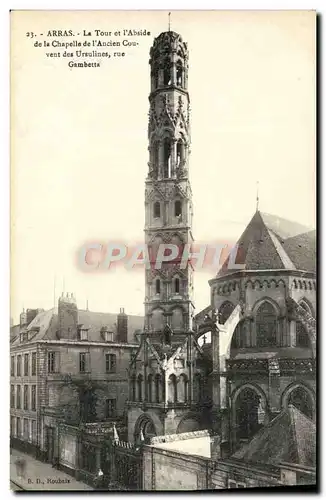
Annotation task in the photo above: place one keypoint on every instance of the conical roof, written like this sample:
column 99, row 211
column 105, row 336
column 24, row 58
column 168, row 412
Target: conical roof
column 271, row 242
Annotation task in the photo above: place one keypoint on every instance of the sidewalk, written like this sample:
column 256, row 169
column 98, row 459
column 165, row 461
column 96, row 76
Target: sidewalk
column 42, row 476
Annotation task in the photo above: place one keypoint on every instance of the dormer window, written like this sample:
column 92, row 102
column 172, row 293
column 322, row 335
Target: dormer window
column 108, row 336
column 83, row 334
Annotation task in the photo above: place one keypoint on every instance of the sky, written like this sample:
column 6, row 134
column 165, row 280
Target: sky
column 79, row 143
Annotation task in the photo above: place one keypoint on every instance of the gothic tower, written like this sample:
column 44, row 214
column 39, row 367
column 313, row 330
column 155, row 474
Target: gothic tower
column 168, row 205
column 163, row 394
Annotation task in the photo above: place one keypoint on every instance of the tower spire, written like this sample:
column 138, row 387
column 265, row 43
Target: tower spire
column 169, row 21
column 257, row 197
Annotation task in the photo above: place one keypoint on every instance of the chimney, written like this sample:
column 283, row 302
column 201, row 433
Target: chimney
column 30, row 315
column 122, row 326
column 68, row 317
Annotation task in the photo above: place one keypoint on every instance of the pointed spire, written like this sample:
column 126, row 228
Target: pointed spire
column 169, row 21
column 257, row 197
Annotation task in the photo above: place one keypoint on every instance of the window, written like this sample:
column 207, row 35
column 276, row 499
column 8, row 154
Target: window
column 177, row 285
column 26, row 359
column 179, row 74
column 172, row 389
column 150, row 388
column 110, row 363
column 167, row 157
column 12, row 396
column 266, row 325
column 157, row 286
column 83, row 334
column 18, row 427
column 140, row 387
column 224, row 312
column 180, row 152
column 110, row 408
column 83, row 362
column 26, row 433
column 33, row 398
column 52, row 365
column 12, row 366
column 302, row 338
column 19, row 366
column 34, row 436
column 157, row 210
column 177, row 208
column 12, row 426
column 167, row 72
column 25, row 397
column 235, row 484
column 33, row 363
column 18, row 398
column 157, row 388
column 108, row 336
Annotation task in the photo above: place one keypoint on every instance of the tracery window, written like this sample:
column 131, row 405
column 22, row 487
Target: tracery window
column 266, row 325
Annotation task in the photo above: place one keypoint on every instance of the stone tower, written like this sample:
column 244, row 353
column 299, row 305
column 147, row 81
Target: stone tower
column 163, row 395
column 168, row 205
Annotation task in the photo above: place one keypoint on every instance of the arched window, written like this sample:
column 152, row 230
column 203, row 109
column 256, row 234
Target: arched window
column 157, row 286
column 156, row 73
column 157, row 320
column 179, row 74
column 177, row 285
column 177, row 208
column 247, row 413
column 182, row 388
column 157, row 210
column 225, row 311
column 306, row 307
column 157, row 388
column 266, row 324
column 150, row 388
column 140, row 387
column 180, row 152
column 302, row 337
column 167, row 72
column 177, row 319
column 167, row 158
column 301, row 399
column 172, row 389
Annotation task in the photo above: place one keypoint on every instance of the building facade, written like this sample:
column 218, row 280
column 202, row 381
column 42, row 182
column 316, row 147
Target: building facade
column 263, row 329
column 69, row 370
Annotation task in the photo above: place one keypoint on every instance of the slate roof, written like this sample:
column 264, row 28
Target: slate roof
column 290, row 437
column 271, row 242
column 45, row 325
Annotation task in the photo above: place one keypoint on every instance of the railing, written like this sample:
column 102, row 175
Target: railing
column 246, row 365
